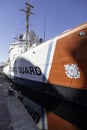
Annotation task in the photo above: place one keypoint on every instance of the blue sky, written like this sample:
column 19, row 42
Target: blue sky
column 60, row 16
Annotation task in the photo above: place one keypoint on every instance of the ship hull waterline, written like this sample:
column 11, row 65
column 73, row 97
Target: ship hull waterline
column 49, row 95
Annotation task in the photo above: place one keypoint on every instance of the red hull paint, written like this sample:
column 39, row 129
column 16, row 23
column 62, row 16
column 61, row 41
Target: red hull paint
column 70, row 50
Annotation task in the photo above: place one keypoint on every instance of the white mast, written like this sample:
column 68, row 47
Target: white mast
column 27, row 11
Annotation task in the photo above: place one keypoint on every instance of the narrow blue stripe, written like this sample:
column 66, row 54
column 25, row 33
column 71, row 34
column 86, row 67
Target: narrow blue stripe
column 47, row 62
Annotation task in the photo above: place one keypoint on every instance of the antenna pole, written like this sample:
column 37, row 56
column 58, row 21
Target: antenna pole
column 27, row 11
column 28, row 8
column 44, row 28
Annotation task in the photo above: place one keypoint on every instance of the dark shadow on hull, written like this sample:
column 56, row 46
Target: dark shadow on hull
column 70, row 111
column 41, row 97
column 73, row 113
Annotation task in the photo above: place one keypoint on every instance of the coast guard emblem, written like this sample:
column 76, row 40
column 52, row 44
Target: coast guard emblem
column 72, row 71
